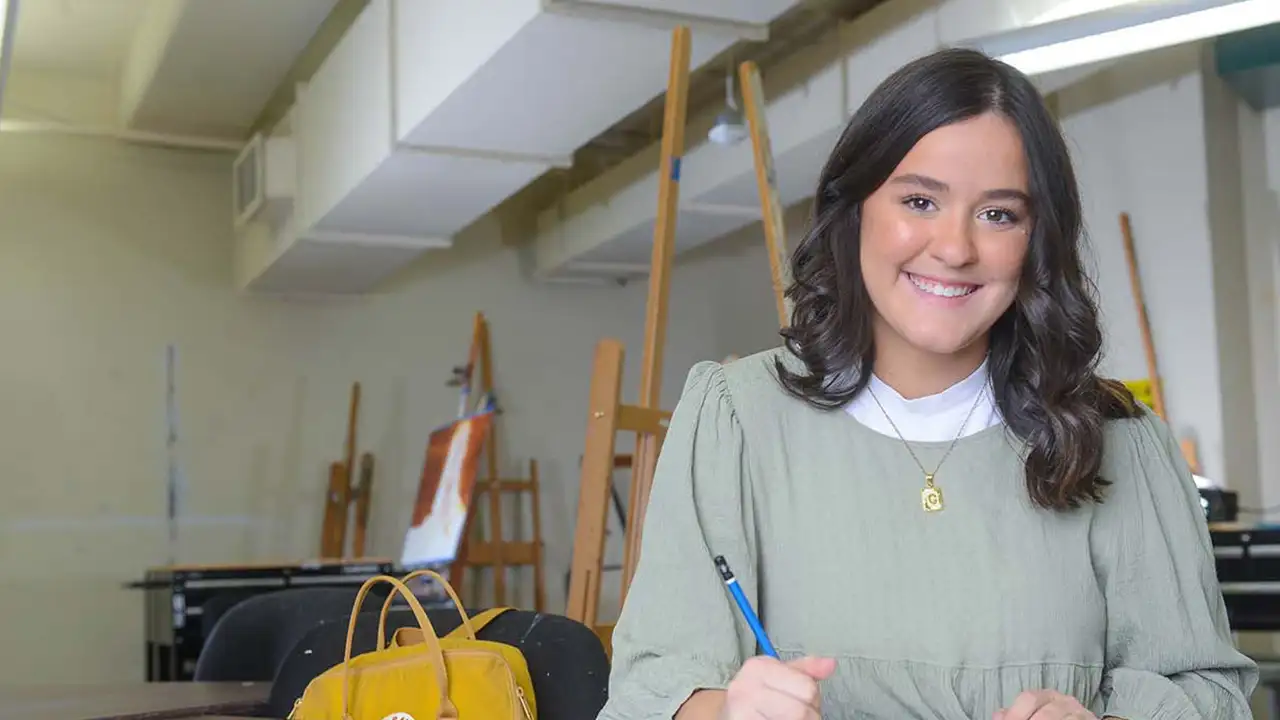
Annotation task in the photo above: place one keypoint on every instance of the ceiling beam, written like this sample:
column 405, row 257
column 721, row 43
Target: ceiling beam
column 341, row 18
column 149, row 50
column 660, row 19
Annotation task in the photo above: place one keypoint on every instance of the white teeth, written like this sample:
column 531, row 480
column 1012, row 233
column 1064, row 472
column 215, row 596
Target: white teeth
column 941, row 290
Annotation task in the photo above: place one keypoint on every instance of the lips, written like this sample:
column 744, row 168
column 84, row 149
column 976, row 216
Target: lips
column 940, row 288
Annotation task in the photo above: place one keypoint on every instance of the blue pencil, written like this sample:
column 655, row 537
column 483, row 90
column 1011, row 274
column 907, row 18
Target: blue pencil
column 745, row 606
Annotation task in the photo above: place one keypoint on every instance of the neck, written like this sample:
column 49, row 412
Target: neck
column 913, row 373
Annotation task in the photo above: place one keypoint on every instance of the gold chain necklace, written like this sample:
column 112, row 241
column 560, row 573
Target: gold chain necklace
column 930, row 495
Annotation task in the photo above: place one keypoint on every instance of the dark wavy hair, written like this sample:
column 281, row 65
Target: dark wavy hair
column 1043, row 351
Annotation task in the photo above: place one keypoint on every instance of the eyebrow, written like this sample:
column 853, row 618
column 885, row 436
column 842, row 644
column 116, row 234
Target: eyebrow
column 940, row 187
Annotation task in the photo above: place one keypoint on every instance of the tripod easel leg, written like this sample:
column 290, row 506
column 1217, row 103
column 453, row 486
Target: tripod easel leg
column 593, row 495
column 655, row 332
column 775, row 233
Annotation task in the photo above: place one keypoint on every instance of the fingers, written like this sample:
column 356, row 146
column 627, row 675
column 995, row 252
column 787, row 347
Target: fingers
column 768, row 688
column 815, row 667
column 788, row 679
column 1044, row 705
column 774, row 706
column 1025, row 705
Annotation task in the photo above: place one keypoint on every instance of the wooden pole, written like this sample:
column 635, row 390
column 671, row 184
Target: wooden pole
column 335, row 513
column 1188, row 445
column 480, row 356
column 1148, row 345
column 593, row 488
column 491, row 466
column 333, row 532
column 664, row 235
column 775, row 234
column 539, row 582
column 363, row 498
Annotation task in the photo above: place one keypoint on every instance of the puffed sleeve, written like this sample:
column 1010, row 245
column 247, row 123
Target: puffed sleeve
column 1170, row 655
column 678, row 632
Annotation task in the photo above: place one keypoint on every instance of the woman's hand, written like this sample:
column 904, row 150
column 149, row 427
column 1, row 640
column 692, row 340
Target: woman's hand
column 1044, row 705
column 773, row 690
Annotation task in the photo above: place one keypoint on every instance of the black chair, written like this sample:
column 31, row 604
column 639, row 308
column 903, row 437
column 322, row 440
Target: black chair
column 256, row 634
column 212, row 610
column 567, row 662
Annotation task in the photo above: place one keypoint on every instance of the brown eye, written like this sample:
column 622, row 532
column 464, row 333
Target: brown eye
column 999, row 216
column 919, row 204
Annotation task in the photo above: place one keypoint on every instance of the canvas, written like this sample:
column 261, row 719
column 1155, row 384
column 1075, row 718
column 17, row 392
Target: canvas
column 445, row 491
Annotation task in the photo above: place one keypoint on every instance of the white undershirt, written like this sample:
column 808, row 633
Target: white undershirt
column 932, row 418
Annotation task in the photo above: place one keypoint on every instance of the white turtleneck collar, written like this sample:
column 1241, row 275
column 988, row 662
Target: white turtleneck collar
column 932, row 418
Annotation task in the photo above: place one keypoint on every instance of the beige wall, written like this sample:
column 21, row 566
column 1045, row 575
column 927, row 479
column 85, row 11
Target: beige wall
column 110, row 252
column 1137, row 133
column 1163, row 139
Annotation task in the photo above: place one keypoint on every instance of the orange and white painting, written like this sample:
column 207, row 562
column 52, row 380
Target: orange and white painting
column 445, row 491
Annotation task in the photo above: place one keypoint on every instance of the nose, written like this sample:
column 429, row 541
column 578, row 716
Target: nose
column 953, row 244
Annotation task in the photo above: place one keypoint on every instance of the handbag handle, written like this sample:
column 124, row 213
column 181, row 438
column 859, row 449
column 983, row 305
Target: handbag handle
column 447, row 709
column 386, row 606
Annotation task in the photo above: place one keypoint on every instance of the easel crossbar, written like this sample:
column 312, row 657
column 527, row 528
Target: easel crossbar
column 642, row 420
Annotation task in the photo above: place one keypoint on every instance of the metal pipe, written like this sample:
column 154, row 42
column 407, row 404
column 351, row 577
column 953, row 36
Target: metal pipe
column 8, row 31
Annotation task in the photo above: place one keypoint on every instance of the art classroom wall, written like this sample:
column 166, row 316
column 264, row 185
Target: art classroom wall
column 111, row 251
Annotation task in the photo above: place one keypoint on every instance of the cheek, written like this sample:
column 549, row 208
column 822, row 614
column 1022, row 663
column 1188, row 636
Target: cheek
column 1004, row 262
column 889, row 241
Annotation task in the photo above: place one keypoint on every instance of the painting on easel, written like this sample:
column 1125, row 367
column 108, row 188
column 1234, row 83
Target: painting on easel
column 445, row 492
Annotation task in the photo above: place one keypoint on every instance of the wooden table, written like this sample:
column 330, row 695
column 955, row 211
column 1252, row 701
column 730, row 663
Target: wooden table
column 131, row 701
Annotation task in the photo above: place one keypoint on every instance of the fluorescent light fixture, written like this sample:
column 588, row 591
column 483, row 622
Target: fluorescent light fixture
column 1125, row 30
column 1072, row 8
column 8, row 28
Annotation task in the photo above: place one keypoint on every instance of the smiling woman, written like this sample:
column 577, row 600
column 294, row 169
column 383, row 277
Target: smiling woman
column 938, row 507
column 965, row 204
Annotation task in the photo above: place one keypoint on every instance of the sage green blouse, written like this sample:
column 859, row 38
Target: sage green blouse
column 943, row 615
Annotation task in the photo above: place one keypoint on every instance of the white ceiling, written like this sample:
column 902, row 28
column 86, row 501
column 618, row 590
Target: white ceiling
column 79, row 37
column 403, row 135
column 181, row 67
column 223, row 61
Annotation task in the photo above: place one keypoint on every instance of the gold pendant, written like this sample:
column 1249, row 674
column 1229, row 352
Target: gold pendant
column 930, row 496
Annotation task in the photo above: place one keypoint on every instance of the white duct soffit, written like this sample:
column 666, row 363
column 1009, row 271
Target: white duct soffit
column 595, row 233
column 427, row 114
column 235, row 49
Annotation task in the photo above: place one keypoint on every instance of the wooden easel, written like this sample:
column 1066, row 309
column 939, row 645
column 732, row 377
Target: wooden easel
column 495, row 551
column 607, row 415
column 1189, row 450
column 341, row 494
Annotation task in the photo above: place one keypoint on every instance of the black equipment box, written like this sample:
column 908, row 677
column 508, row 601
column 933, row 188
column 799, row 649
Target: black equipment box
column 1248, row 565
column 176, row 599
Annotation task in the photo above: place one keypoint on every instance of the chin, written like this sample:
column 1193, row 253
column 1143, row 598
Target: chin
column 941, row 344
column 941, row 335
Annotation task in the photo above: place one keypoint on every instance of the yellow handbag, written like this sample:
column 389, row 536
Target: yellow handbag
column 421, row 676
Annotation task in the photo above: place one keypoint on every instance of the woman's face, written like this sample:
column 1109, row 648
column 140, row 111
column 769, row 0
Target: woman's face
column 944, row 239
